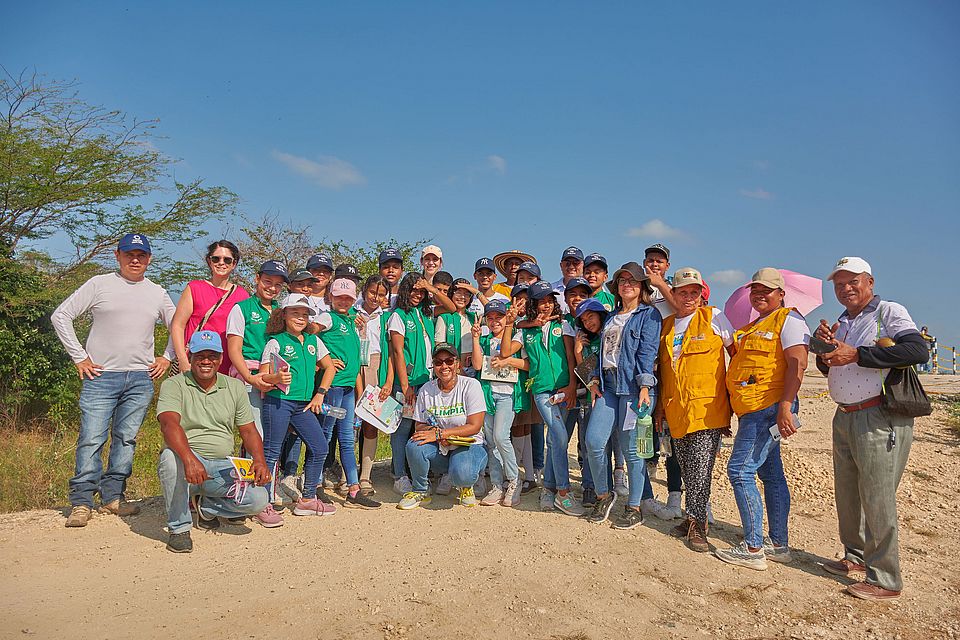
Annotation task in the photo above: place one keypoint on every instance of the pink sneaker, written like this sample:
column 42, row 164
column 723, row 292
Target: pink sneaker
column 313, row 507
column 269, row 518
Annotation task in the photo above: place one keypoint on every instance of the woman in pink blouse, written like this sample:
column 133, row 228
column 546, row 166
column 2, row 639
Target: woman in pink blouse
column 200, row 296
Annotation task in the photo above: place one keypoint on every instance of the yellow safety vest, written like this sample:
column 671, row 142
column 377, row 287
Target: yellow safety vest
column 757, row 371
column 693, row 388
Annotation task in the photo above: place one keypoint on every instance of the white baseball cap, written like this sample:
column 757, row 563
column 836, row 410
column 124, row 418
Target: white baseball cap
column 852, row 264
column 298, row 300
column 432, row 248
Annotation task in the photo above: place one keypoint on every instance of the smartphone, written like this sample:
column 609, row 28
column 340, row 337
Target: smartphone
column 775, row 429
column 821, row 347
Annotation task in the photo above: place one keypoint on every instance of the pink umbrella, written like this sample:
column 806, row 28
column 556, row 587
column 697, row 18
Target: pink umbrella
column 804, row 293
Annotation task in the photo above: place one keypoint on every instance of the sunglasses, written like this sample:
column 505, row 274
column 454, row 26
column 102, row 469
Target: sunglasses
column 218, row 259
column 446, row 362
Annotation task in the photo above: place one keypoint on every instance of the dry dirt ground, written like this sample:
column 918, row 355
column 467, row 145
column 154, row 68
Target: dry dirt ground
column 451, row 572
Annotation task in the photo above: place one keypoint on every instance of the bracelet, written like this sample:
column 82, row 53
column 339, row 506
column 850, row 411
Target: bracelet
column 438, row 432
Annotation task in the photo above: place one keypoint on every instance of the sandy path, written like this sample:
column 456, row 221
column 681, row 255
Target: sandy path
column 449, row 572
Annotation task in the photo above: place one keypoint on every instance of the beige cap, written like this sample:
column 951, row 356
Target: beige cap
column 685, row 276
column 432, row 248
column 768, row 277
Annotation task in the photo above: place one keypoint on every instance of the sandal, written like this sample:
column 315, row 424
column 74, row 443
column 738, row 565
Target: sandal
column 366, row 488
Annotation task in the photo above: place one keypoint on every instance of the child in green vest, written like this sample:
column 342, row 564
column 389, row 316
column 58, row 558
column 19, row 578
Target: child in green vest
column 595, row 273
column 293, row 402
column 376, row 296
column 504, row 400
column 454, row 328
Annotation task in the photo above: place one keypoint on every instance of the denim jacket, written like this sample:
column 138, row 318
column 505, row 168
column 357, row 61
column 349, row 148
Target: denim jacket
column 639, row 343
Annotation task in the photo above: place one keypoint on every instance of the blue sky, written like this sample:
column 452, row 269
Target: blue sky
column 741, row 134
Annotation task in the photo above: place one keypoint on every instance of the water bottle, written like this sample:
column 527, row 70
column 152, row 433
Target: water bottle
column 432, row 419
column 357, row 422
column 645, row 437
column 666, row 442
column 557, row 398
column 330, row 410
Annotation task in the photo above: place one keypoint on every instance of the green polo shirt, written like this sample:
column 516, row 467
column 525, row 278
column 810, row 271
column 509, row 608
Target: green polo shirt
column 209, row 418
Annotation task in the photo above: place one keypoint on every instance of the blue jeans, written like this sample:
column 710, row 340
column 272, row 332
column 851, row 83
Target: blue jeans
column 536, row 442
column 278, row 414
column 556, row 471
column 606, row 419
column 290, row 453
column 112, row 404
column 496, row 435
column 177, row 492
column 756, row 454
column 464, row 464
column 398, row 441
column 256, row 403
column 342, row 397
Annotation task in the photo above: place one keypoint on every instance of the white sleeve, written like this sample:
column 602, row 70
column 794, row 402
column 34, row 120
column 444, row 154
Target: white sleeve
column 466, row 337
column 324, row 320
column 794, row 332
column 166, row 315
column 896, row 319
column 322, row 351
column 395, row 324
column 420, row 406
column 272, row 347
column 372, row 333
column 473, row 400
column 568, row 330
column 722, row 327
column 440, row 331
column 236, row 325
column 76, row 304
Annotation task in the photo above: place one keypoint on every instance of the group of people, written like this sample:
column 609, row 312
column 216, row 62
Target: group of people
column 493, row 376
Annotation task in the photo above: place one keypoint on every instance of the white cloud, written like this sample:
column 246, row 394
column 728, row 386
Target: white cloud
column 329, row 172
column 757, row 194
column 497, row 163
column 727, row 276
column 656, row 229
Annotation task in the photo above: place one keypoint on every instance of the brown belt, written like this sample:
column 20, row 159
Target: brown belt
column 876, row 401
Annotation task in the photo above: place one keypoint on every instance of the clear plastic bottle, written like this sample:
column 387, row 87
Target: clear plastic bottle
column 645, row 437
column 330, row 410
column 557, row 398
column 666, row 442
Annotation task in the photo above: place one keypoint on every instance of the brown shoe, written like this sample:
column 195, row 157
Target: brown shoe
column 843, row 568
column 79, row 516
column 697, row 538
column 120, row 508
column 682, row 529
column 867, row 591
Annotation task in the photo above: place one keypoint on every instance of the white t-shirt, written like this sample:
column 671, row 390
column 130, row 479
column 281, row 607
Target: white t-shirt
column 274, row 347
column 718, row 322
column 612, row 334
column 476, row 307
column 658, row 301
column 506, row 387
column 373, row 328
column 324, row 320
column 236, row 324
column 319, row 305
column 451, row 408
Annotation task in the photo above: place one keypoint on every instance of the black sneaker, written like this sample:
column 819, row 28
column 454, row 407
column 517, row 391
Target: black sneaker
column 629, row 519
column 180, row 542
column 601, row 510
column 360, row 501
column 322, row 496
column 527, row 487
column 589, row 498
column 203, row 522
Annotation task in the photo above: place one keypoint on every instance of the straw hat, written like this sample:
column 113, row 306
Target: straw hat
column 499, row 260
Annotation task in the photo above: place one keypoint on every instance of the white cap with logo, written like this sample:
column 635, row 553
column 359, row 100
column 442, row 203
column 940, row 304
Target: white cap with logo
column 851, row 264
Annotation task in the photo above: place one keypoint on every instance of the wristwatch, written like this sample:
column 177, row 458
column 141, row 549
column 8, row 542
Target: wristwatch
column 322, row 390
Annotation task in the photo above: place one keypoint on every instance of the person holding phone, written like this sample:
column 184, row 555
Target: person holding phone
column 763, row 380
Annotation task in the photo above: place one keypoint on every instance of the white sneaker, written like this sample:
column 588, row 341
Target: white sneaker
column 709, row 514
column 511, row 495
column 493, row 497
column 403, row 485
column 288, row 486
column 546, row 500
column 445, row 486
column 620, row 483
column 655, row 508
column 673, row 505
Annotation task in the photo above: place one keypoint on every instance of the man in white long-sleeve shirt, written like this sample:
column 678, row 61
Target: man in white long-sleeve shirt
column 118, row 367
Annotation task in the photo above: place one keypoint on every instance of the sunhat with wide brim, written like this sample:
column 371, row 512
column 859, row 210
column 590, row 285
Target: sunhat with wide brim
column 499, row 260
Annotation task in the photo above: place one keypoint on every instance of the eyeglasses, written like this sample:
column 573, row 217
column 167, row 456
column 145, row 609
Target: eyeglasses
column 446, row 362
column 227, row 260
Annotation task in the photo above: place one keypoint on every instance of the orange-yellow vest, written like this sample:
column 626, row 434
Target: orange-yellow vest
column 693, row 388
column 760, row 357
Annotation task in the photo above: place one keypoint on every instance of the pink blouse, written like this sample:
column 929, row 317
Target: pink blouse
column 205, row 295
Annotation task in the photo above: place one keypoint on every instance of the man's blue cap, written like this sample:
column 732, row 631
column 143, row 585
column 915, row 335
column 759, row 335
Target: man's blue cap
column 595, row 257
column 483, row 263
column 134, row 242
column 319, row 261
column 274, row 268
column 572, row 252
column 529, row 267
column 578, row 282
column 540, row 290
column 389, row 254
column 523, row 287
column 495, row 306
column 591, row 304
column 205, row 341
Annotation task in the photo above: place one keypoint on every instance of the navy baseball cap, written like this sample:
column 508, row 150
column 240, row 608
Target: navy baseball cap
column 302, row 274
column 274, row 268
column 320, row 260
column 579, row 282
column 134, row 242
column 657, row 248
column 530, row 267
column 595, row 257
column 348, row 271
column 389, row 254
column 205, row 341
column 523, row 287
column 572, row 252
column 483, row 263
column 495, row 306
column 540, row 290
column 591, row 304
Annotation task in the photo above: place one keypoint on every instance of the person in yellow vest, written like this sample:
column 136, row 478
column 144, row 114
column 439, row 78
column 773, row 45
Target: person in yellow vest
column 693, row 395
column 763, row 379
column 508, row 263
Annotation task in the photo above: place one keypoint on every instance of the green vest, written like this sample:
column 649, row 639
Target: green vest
column 606, row 299
column 415, row 351
column 384, row 349
column 454, row 324
column 521, row 399
column 548, row 365
column 254, row 326
column 344, row 344
column 302, row 358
